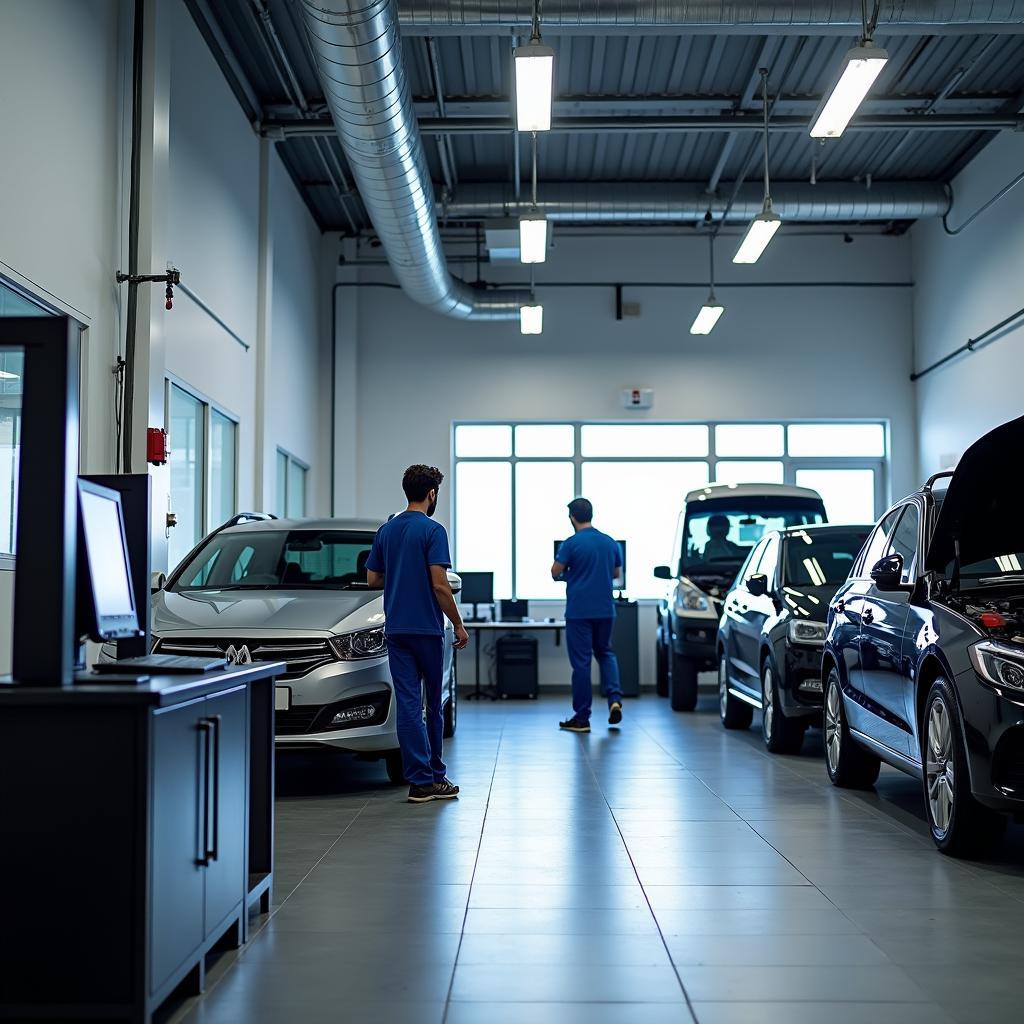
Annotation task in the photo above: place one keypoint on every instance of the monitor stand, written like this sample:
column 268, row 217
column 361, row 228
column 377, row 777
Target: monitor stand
column 476, row 616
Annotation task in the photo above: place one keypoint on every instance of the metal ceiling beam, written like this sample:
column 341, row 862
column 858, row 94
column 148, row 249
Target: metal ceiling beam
column 682, row 123
column 811, row 17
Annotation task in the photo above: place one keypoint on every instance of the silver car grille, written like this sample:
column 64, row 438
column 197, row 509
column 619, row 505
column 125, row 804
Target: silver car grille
column 301, row 655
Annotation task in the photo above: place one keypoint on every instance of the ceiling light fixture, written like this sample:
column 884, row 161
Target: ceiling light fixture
column 533, row 226
column 535, row 76
column 762, row 228
column 711, row 311
column 531, row 319
column 861, row 66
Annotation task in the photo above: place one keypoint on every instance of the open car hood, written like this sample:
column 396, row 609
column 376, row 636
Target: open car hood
column 984, row 504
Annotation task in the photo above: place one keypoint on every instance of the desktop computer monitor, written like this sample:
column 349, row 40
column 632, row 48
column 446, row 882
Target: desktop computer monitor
column 477, row 588
column 622, row 548
column 106, row 604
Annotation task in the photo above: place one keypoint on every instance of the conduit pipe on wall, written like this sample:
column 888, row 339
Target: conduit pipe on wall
column 358, row 53
column 763, row 16
column 641, row 202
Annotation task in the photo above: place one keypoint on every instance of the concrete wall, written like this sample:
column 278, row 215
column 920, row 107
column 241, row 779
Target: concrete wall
column 965, row 285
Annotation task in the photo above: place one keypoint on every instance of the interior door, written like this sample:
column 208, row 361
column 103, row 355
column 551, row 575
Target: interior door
column 227, row 714
column 884, row 621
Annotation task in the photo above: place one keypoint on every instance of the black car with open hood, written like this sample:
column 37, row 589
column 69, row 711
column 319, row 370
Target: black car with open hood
column 923, row 665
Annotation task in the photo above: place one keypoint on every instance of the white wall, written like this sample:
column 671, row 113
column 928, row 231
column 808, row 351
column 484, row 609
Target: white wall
column 966, row 284
column 792, row 351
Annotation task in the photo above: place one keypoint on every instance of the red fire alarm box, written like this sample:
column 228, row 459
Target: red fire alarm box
column 156, row 446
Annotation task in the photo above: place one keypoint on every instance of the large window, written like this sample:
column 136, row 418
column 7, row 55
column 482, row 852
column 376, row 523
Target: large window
column 203, row 465
column 514, row 480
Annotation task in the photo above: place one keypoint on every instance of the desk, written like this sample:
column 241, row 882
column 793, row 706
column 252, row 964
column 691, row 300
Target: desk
column 141, row 823
column 508, row 627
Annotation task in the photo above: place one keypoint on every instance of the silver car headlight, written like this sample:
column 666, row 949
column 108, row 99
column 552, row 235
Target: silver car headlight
column 366, row 643
column 999, row 664
column 801, row 631
column 690, row 598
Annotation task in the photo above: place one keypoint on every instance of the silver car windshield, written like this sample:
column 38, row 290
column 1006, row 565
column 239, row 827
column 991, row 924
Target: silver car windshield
column 279, row 560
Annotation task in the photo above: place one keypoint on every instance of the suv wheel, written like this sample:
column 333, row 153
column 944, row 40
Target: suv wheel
column 660, row 667
column 958, row 823
column 734, row 713
column 781, row 735
column 393, row 764
column 682, row 683
column 848, row 764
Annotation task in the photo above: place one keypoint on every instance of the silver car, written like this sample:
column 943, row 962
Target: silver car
column 294, row 590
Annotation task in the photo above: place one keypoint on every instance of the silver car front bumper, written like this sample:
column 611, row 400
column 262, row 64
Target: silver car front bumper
column 329, row 685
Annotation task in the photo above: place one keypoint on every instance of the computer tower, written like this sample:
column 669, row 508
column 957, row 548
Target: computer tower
column 516, row 674
column 626, row 644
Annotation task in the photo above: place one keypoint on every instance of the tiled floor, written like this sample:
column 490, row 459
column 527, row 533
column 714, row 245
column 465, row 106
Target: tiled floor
column 668, row 871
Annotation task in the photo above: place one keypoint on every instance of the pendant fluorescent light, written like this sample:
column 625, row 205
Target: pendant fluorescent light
column 762, row 228
column 711, row 311
column 533, row 238
column 861, row 66
column 531, row 319
column 535, row 72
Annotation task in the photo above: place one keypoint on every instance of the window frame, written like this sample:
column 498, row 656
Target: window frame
column 881, row 467
column 282, row 499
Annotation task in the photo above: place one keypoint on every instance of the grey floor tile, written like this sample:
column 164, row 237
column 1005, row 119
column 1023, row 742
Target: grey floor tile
column 568, row 1013
column 554, row 921
column 734, row 897
column 879, row 983
column 514, row 953
column 553, row 983
column 821, row 1013
column 583, row 897
column 770, row 950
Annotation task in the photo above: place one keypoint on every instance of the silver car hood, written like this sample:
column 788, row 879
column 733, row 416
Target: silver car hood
column 286, row 611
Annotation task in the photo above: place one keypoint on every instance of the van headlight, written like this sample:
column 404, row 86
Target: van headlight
column 366, row 643
column 691, row 600
column 801, row 631
column 999, row 664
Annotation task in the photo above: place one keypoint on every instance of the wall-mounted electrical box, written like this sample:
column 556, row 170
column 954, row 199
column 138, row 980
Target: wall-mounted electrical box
column 637, row 398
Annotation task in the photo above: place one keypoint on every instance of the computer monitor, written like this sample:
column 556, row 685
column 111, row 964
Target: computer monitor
column 514, row 611
column 477, row 588
column 622, row 548
column 106, row 605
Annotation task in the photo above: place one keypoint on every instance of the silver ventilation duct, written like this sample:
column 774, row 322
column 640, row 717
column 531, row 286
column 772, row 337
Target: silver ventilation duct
column 607, row 203
column 359, row 57
column 762, row 16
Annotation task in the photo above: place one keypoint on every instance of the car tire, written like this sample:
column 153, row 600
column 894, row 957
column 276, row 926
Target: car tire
column 781, row 735
column 960, row 826
column 660, row 668
column 451, row 706
column 682, row 683
column 395, row 770
column 734, row 713
column 848, row 764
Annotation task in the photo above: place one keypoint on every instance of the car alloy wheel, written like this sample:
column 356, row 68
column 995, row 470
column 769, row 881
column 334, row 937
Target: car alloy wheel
column 723, row 687
column 941, row 774
column 767, row 703
column 833, row 727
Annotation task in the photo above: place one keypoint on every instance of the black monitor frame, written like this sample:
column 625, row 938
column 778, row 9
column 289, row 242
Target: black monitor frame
column 89, row 619
column 475, row 598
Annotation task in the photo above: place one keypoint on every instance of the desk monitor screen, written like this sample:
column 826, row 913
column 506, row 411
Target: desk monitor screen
column 477, row 588
column 622, row 549
column 108, row 588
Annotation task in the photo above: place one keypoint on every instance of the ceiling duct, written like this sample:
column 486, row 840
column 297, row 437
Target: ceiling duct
column 642, row 202
column 762, row 16
column 359, row 58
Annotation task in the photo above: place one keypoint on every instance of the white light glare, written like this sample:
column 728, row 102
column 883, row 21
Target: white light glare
column 535, row 70
column 760, row 232
column 531, row 319
column 863, row 64
column 705, row 321
column 4, row 375
column 533, row 238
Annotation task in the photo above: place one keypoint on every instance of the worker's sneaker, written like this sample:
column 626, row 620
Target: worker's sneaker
column 574, row 724
column 421, row 794
column 614, row 713
column 445, row 790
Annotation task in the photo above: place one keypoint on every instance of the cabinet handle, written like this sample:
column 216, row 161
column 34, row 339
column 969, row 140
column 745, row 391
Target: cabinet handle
column 205, row 727
column 213, row 841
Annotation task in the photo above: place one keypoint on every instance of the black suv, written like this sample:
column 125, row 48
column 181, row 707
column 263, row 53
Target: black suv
column 923, row 665
column 773, row 629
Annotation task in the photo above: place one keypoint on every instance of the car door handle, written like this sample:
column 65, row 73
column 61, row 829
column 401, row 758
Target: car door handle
column 869, row 616
column 840, row 607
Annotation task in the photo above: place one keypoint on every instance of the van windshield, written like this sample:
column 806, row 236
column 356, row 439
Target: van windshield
column 279, row 560
column 719, row 533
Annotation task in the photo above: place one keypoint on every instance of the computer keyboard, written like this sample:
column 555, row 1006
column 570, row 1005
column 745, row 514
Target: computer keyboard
column 160, row 664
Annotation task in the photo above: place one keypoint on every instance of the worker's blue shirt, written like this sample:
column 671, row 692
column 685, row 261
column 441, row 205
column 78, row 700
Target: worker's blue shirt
column 404, row 550
column 591, row 559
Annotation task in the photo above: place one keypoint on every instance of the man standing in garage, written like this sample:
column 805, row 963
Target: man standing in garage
column 410, row 560
column 589, row 562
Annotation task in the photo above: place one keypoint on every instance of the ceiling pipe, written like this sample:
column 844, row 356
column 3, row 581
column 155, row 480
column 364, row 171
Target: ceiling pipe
column 811, row 17
column 358, row 54
column 644, row 202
